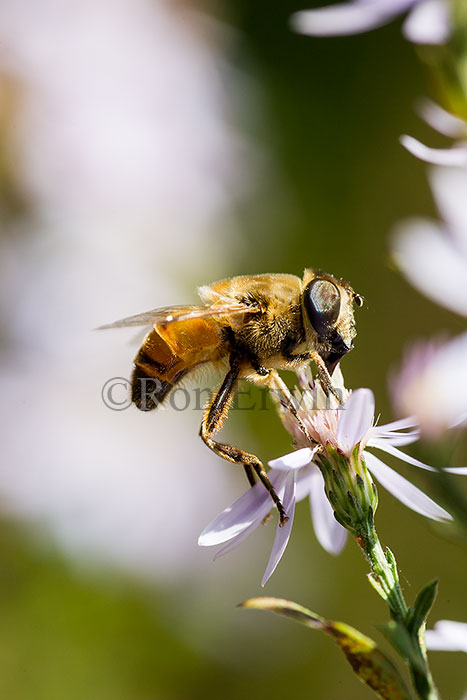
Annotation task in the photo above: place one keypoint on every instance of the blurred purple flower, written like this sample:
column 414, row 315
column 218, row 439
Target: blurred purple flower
column 447, row 635
column 295, row 475
column 447, row 124
column 428, row 22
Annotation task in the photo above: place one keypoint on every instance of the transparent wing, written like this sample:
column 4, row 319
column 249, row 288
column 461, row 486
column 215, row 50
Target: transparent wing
column 173, row 314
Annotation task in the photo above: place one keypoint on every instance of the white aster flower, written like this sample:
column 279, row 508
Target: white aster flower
column 296, row 475
column 447, row 635
column 447, row 124
column 428, row 22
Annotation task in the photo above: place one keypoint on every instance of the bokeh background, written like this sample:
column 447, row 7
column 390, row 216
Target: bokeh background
column 148, row 147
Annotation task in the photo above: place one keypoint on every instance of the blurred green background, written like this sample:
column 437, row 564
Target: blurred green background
column 324, row 117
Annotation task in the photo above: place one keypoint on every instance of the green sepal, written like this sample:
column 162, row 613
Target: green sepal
column 422, row 607
column 368, row 662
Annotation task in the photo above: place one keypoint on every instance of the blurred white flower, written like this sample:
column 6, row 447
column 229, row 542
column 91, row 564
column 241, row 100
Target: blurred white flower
column 297, row 476
column 454, row 156
column 446, row 124
column 433, row 256
column 428, row 22
column 447, row 635
column 432, row 384
column 123, row 144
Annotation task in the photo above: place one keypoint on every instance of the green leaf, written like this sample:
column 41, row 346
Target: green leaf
column 422, row 607
column 402, row 641
column 368, row 662
column 410, row 647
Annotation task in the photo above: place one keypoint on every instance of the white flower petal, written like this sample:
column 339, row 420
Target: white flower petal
column 330, row 534
column 447, row 635
column 390, row 431
column 460, row 471
column 355, row 419
column 432, row 263
column 386, row 446
column 253, row 506
column 304, row 481
column 457, row 155
column 404, row 491
column 282, row 533
column 389, row 447
column 338, row 20
column 441, row 121
column 347, row 18
column 293, row 460
column 338, row 383
column 399, row 440
column 428, row 23
column 460, row 421
column 238, row 539
column 449, row 187
column 401, row 424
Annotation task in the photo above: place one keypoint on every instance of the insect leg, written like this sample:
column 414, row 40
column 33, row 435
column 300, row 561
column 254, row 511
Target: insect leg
column 213, row 420
column 250, row 475
column 281, row 393
column 324, row 376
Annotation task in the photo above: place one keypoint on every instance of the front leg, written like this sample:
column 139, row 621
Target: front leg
column 323, row 375
column 280, row 391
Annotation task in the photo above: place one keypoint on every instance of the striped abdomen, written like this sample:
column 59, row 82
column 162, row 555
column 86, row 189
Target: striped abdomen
column 168, row 353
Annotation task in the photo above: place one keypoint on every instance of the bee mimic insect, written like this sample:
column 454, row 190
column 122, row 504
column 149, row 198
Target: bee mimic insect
column 249, row 327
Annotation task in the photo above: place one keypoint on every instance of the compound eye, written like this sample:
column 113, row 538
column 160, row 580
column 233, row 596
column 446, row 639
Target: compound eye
column 322, row 303
column 358, row 299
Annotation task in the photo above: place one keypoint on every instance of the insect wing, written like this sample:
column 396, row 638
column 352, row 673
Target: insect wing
column 173, row 314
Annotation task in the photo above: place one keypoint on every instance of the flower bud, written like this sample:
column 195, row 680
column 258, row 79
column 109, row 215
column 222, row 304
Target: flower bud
column 349, row 488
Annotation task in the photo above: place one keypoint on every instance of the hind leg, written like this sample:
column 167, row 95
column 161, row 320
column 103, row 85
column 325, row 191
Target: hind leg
column 250, row 475
column 213, row 420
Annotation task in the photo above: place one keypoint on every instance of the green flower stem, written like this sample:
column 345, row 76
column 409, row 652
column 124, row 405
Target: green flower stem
column 354, row 498
column 407, row 639
column 384, row 575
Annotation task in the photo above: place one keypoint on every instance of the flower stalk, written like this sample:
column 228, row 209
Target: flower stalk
column 354, row 498
column 407, row 639
column 353, row 495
